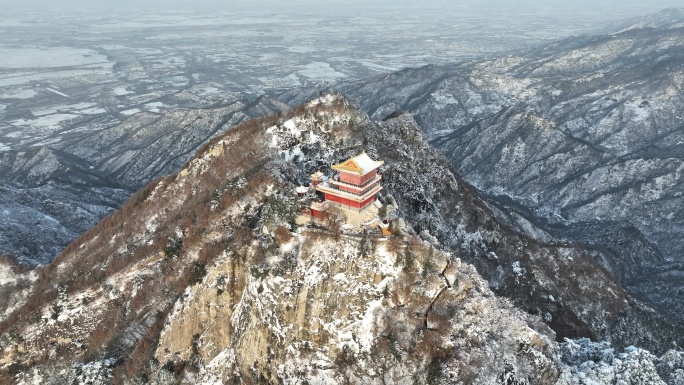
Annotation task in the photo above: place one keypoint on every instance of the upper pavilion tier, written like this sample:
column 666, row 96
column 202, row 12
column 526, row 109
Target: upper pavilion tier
column 361, row 165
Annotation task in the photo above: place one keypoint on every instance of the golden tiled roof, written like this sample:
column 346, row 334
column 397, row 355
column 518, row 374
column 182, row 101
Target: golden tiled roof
column 361, row 164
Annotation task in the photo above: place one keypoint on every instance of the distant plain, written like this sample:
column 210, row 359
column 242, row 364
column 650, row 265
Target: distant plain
column 62, row 71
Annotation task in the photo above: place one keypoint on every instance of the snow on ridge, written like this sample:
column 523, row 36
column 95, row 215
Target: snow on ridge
column 311, row 128
column 54, row 91
column 587, row 362
column 9, row 277
column 19, row 94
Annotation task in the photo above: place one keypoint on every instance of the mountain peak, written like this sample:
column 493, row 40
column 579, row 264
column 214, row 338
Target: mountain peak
column 203, row 276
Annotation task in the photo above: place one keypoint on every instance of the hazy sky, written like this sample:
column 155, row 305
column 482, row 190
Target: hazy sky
column 621, row 6
column 586, row 15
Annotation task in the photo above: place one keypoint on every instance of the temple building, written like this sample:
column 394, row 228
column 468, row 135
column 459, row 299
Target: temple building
column 351, row 191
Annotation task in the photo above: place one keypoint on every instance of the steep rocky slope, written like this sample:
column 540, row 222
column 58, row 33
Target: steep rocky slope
column 53, row 193
column 582, row 137
column 47, row 199
column 199, row 278
column 554, row 279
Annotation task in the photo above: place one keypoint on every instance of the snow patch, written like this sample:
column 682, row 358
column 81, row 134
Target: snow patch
column 19, row 94
column 518, row 270
column 321, row 71
column 130, row 112
column 54, row 91
column 121, row 91
column 47, row 121
column 21, row 58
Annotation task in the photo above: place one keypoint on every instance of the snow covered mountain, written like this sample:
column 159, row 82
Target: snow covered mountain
column 669, row 18
column 79, row 92
column 202, row 277
column 572, row 231
column 53, row 193
column 583, row 137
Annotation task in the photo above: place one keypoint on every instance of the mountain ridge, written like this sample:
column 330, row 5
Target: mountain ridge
column 67, row 187
column 584, row 130
column 668, row 18
column 140, row 296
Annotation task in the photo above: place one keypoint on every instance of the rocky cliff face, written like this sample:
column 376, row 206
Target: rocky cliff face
column 201, row 278
column 582, row 137
column 350, row 311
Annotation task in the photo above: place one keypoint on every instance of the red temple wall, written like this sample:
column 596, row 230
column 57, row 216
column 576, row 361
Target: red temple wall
column 345, row 188
column 368, row 176
column 317, row 214
column 349, row 202
column 368, row 201
column 355, row 178
column 356, row 191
